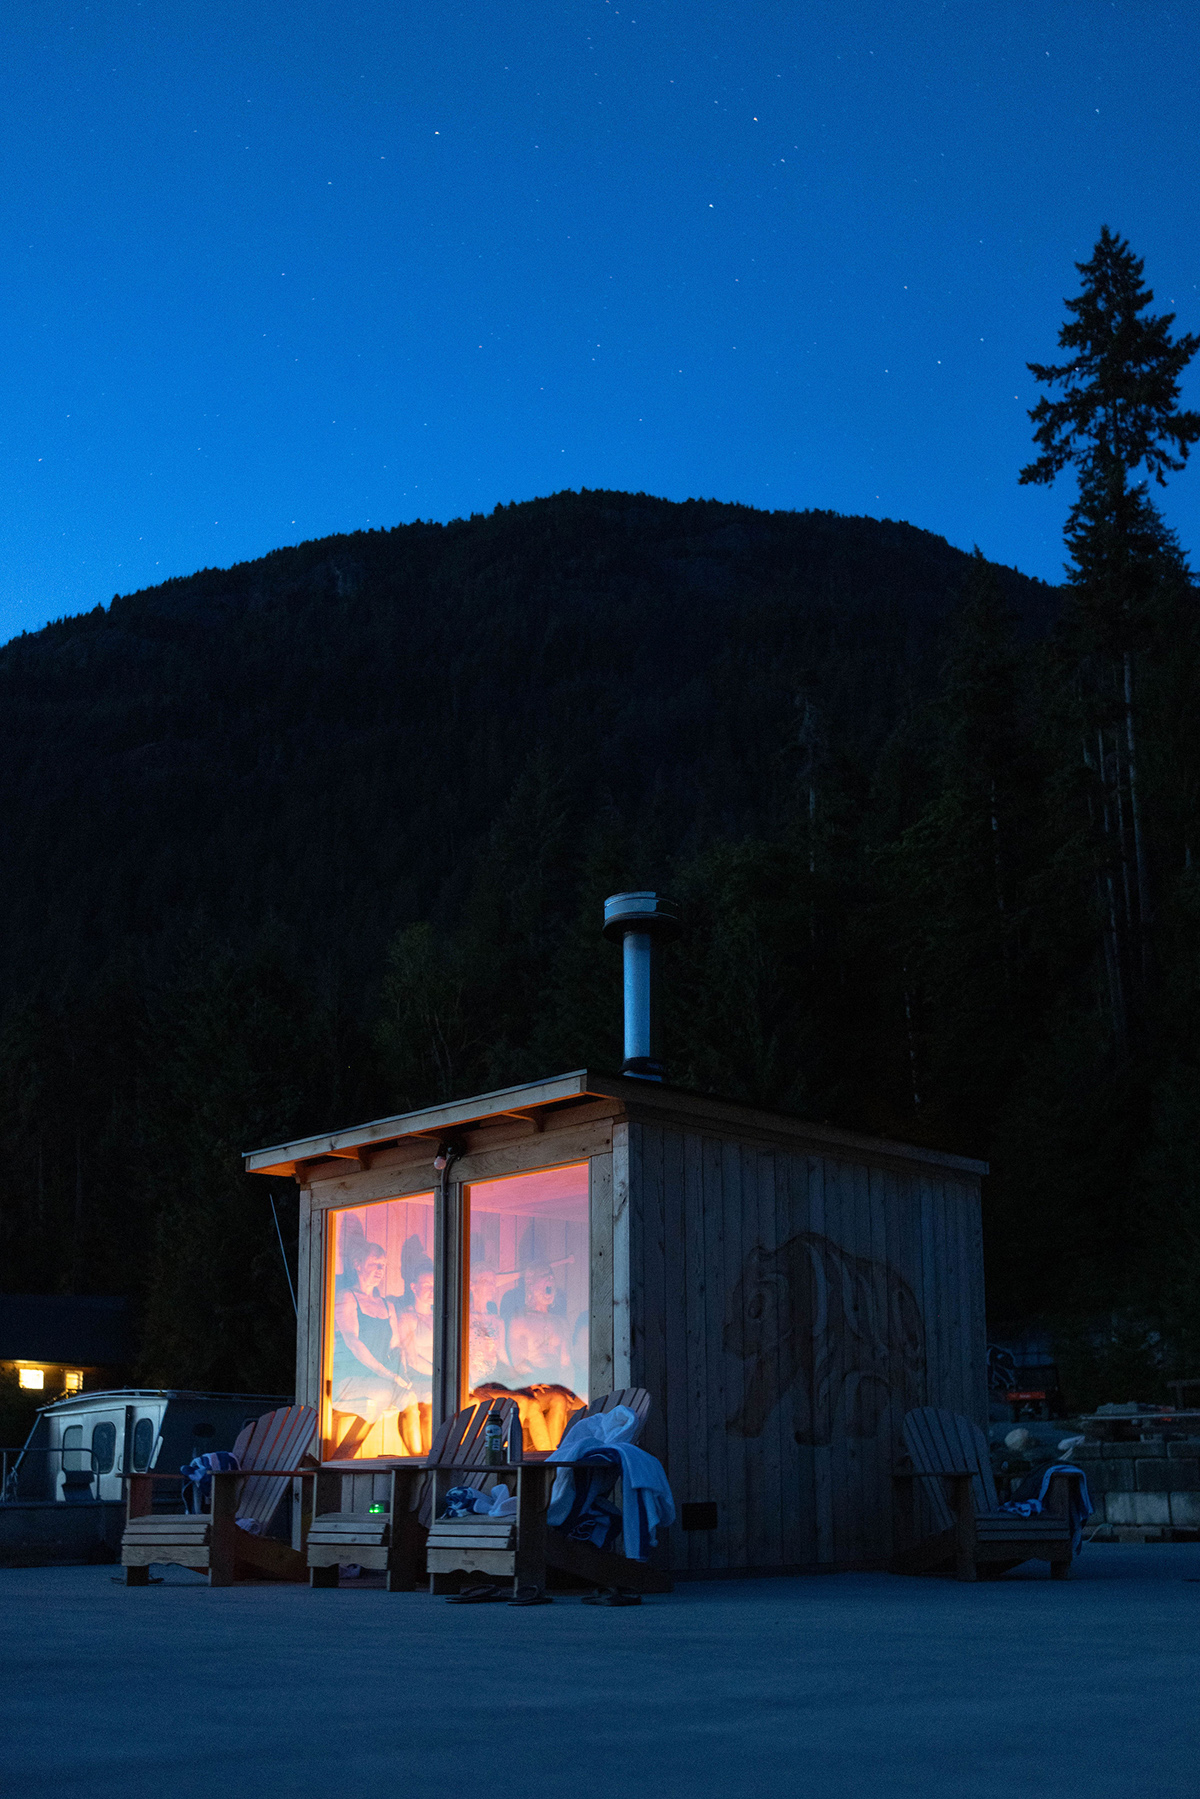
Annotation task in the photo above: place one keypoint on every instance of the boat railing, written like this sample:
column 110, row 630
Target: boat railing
column 19, row 1473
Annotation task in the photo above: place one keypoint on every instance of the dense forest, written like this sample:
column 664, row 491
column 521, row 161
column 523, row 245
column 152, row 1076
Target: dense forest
column 326, row 836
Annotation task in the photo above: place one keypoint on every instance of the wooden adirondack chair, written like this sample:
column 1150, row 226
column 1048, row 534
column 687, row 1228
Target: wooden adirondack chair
column 501, row 1548
column 271, row 1452
column 948, row 1455
column 390, row 1541
column 603, row 1568
column 520, row 1548
column 395, row 1540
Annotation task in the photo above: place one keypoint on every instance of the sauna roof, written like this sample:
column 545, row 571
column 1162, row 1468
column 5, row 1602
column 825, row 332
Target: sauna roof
column 535, row 1102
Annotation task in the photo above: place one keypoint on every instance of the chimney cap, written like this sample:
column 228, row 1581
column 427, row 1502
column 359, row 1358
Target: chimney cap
column 650, row 912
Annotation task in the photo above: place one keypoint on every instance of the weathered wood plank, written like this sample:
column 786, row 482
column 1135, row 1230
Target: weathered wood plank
column 600, row 1252
column 543, row 1149
column 978, row 1304
column 768, row 1477
column 841, row 1349
column 651, row 1296
column 675, row 1338
column 622, row 1365
column 822, row 1190
column 318, row 1381
column 696, row 1544
column 431, row 1119
column 876, row 1409
column 448, row 1303
column 733, row 1203
column 471, row 1561
column 797, row 1499
column 904, row 1382
column 717, row 1406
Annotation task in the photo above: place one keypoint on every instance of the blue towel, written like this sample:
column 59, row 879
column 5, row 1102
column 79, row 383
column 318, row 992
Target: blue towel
column 197, row 1477
column 1079, row 1503
column 581, row 1508
column 461, row 1502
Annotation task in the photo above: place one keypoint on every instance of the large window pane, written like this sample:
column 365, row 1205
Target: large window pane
column 527, row 1325
column 378, row 1376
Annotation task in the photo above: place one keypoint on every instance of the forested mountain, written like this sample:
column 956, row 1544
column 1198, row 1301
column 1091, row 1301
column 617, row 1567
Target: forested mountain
column 327, row 835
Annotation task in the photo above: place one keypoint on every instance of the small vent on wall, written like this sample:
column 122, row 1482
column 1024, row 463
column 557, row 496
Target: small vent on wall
column 699, row 1514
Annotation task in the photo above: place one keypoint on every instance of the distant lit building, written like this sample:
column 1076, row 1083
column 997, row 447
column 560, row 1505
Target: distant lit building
column 59, row 1344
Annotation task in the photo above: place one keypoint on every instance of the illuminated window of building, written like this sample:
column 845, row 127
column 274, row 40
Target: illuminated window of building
column 377, row 1376
column 527, row 1323
column 33, row 1379
column 73, row 1382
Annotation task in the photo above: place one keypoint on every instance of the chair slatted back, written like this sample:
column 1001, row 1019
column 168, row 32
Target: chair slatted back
column 636, row 1398
column 276, row 1440
column 942, row 1442
column 460, row 1440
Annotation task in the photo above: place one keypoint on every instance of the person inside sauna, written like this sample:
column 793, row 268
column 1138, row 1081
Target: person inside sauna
column 368, row 1382
column 414, row 1330
column 485, row 1330
column 529, row 1356
column 526, row 1329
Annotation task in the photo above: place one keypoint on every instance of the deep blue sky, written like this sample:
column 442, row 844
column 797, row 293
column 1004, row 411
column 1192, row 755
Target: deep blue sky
column 276, row 270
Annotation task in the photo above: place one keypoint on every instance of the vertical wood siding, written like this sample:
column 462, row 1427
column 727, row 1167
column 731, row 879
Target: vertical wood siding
column 600, row 1253
column 785, row 1310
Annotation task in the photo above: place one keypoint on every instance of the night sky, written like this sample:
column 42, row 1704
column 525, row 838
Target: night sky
column 276, row 270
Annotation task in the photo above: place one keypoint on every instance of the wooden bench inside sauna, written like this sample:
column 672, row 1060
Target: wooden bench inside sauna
column 785, row 1293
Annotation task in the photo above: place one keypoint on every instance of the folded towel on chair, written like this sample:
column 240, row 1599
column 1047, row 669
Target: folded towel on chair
column 1029, row 1503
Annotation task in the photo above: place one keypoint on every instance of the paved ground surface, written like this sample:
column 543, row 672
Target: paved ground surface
column 843, row 1685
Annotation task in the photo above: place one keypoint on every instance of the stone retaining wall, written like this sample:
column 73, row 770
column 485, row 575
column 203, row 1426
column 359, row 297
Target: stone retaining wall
column 1147, row 1485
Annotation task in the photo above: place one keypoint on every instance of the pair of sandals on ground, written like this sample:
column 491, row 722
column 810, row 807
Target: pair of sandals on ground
column 531, row 1595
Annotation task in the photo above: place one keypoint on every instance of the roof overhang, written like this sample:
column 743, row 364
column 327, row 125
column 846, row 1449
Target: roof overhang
column 534, row 1100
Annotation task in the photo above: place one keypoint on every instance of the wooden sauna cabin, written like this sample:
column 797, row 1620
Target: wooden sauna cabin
column 785, row 1291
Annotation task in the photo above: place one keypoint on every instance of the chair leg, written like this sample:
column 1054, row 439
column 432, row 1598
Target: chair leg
column 137, row 1577
column 223, row 1531
column 323, row 1577
column 964, row 1529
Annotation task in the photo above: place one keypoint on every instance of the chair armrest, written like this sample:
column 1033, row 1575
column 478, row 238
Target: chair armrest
column 1058, row 1496
column 147, row 1474
column 470, row 1467
column 935, row 1474
column 266, row 1473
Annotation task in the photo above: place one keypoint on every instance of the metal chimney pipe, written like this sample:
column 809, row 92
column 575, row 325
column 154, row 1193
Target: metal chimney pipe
column 640, row 921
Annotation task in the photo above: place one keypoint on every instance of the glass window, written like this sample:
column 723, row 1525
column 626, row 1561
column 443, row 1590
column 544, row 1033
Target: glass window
column 143, row 1444
column 73, row 1382
column 104, row 1446
column 72, row 1445
column 527, row 1323
column 378, row 1376
column 33, row 1380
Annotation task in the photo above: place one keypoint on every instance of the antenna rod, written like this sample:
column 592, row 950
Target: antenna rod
column 287, row 1267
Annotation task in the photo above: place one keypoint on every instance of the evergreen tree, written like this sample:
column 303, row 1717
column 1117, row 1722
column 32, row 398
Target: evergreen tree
column 1118, row 414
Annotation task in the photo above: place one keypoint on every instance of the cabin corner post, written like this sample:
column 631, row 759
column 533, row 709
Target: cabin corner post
column 978, row 1300
column 622, row 1346
column 600, row 1277
column 449, row 1275
column 310, row 1295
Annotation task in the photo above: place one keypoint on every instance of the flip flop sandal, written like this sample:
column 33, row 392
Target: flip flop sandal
column 531, row 1596
column 475, row 1596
